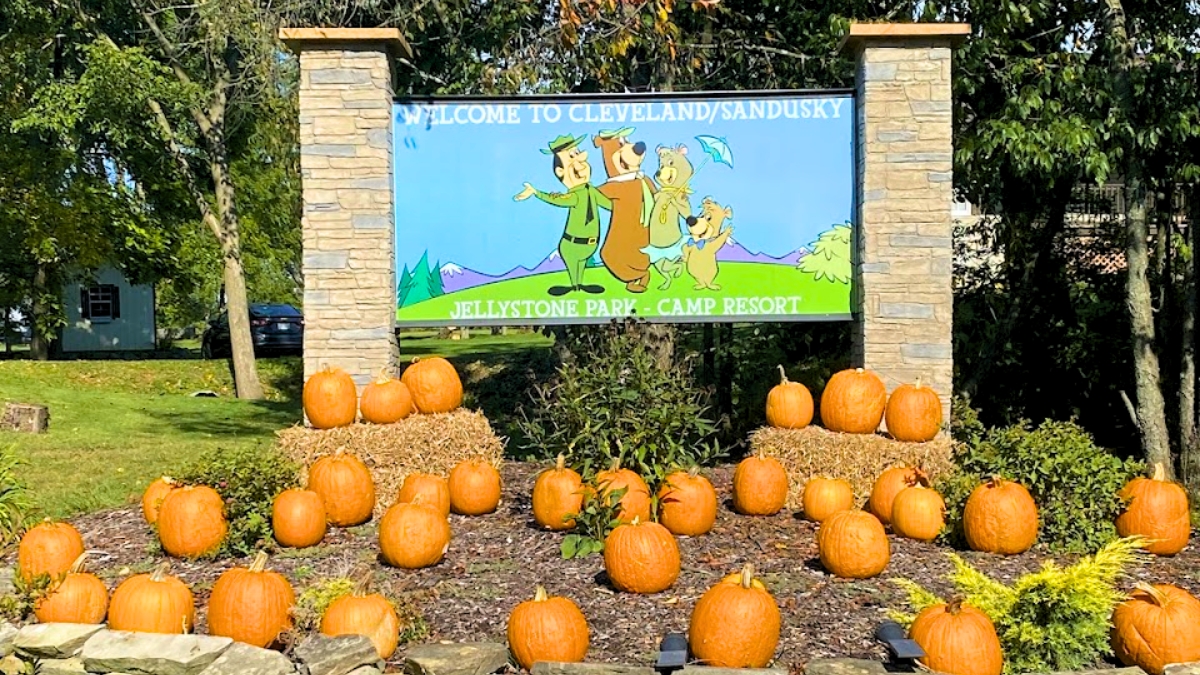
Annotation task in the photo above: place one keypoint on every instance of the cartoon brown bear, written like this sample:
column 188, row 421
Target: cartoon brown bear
column 632, row 195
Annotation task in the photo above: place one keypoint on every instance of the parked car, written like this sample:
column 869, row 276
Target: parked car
column 275, row 330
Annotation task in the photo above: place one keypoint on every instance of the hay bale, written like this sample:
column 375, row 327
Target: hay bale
column 420, row 443
column 858, row 458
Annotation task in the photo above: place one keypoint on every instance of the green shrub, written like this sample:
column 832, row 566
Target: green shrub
column 1055, row 619
column 1073, row 481
column 594, row 521
column 312, row 602
column 248, row 479
column 14, row 498
column 615, row 396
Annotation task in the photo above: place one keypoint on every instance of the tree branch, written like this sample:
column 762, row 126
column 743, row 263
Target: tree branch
column 169, row 51
column 164, row 126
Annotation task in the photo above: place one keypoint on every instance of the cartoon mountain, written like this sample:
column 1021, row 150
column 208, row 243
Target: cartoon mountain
column 455, row 277
column 735, row 252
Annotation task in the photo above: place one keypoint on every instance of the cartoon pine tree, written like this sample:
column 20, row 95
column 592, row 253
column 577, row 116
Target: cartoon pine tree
column 422, row 284
column 404, row 283
column 435, row 280
column 830, row 257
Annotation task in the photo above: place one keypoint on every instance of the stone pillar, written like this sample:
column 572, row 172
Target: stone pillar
column 903, row 268
column 348, row 223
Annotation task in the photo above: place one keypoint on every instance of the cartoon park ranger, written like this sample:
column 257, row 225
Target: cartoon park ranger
column 583, row 201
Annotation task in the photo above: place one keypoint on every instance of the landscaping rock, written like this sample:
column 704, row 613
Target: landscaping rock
column 8, row 633
column 707, row 670
column 366, row 670
column 7, row 574
column 323, row 655
column 11, row 665
column 463, row 658
column 61, row 667
column 556, row 668
column 53, row 640
column 243, row 659
column 844, row 667
column 1192, row 668
column 151, row 653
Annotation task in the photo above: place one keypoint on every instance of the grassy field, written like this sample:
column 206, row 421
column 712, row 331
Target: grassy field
column 115, row 425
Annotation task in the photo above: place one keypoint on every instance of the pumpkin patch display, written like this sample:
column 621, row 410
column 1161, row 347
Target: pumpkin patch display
column 434, row 491
column 918, row 512
column 687, row 504
column 191, row 522
column 1157, row 509
column 914, row 413
column 48, row 548
column 1000, row 517
column 153, row 496
column 385, row 401
column 364, row 613
column 413, row 535
column 434, row 385
column 251, row 605
column 1157, row 625
column 330, row 399
column 346, row 488
column 547, row 628
column 298, row 518
column 152, row 603
column 853, row 545
column 635, row 503
column 789, row 404
column 557, row 495
column 641, row 557
column 889, row 484
column 760, row 486
column 474, row 488
column 824, row 497
column 80, row 597
column 958, row 639
column 853, row 402
column 735, row 624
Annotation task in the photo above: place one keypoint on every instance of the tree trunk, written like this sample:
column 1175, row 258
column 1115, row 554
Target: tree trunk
column 1189, row 449
column 39, row 343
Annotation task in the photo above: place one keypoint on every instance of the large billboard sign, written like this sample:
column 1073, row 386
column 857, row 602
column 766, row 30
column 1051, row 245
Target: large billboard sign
column 584, row 209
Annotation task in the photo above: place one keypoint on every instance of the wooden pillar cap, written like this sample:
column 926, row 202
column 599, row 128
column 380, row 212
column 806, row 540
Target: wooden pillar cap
column 308, row 38
column 864, row 33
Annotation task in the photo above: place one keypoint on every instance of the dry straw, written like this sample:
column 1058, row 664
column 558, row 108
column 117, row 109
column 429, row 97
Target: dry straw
column 858, row 458
column 419, row 443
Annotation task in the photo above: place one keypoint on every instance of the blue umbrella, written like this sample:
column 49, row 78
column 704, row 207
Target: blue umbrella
column 717, row 149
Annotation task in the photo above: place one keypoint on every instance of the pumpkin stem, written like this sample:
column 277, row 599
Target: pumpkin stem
column 747, row 575
column 540, row 594
column 782, row 375
column 260, row 562
column 616, row 464
column 415, row 359
column 1160, row 471
column 1156, row 596
column 363, row 587
column 384, row 376
column 995, row 481
column 918, row 384
column 636, row 520
column 858, row 370
column 561, row 463
column 80, row 564
column 160, row 572
column 954, row 606
column 694, row 471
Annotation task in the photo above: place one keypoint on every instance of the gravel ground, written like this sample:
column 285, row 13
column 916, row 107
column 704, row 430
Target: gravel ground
column 495, row 561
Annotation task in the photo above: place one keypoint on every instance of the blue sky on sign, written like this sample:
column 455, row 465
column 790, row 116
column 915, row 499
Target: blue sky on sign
column 792, row 179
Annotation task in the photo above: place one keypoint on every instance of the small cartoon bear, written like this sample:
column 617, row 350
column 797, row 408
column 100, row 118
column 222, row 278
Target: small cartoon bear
column 700, row 250
column 671, row 204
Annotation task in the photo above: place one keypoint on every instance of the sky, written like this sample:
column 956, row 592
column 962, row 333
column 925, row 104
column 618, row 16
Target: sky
column 458, row 165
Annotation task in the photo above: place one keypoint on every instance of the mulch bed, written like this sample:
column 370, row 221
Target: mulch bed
column 495, row 561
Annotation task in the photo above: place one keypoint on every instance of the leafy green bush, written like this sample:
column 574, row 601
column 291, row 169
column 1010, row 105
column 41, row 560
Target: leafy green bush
column 1055, row 619
column 1073, row 481
column 617, row 397
column 594, row 521
column 14, row 498
column 312, row 602
column 248, row 478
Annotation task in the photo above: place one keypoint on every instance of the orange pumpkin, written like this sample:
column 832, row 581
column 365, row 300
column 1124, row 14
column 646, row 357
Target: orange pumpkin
column 735, row 624
column 413, row 535
column 914, row 413
column 853, row 402
column 687, row 504
column 385, row 400
column 153, row 496
column 1000, row 517
column 641, row 557
column 760, row 486
column 1157, row 625
column 346, row 488
column 557, row 495
column 152, row 603
column 888, row 485
column 474, row 488
column 853, row 545
column 191, row 522
column 958, row 639
column 635, row 503
column 364, row 613
column 298, row 518
column 1158, row 510
column 251, row 605
column 79, row 598
column 434, row 491
column 434, row 385
column 48, row 548
column 824, row 497
column 918, row 512
column 547, row 628
column 330, row 399
column 789, row 404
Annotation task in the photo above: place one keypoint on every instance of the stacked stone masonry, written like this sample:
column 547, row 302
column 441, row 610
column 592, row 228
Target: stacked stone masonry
column 346, row 167
column 904, row 252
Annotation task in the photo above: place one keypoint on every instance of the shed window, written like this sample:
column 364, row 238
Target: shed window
column 100, row 304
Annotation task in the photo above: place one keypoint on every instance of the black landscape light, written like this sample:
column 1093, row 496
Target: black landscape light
column 898, row 643
column 672, row 653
